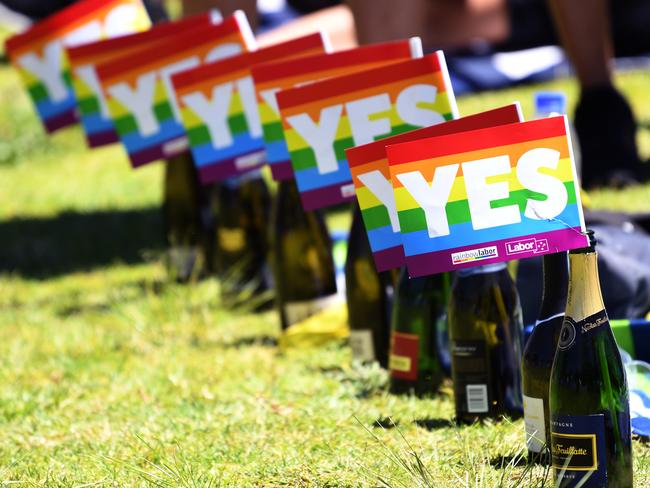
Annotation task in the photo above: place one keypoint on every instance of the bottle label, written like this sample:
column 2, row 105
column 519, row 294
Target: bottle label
column 535, row 424
column 299, row 311
column 403, row 360
column 578, row 450
column 470, row 370
column 362, row 345
column 571, row 328
column 232, row 240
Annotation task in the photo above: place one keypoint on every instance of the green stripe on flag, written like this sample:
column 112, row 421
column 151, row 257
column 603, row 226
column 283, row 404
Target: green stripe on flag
column 38, row 92
column 88, row 105
column 458, row 211
column 199, row 136
column 273, row 132
column 412, row 220
column 375, row 217
column 163, row 111
column 125, row 125
column 237, row 124
column 305, row 158
column 67, row 78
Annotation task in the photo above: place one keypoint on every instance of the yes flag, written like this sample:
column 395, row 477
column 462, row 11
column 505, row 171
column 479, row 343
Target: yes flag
column 91, row 103
column 38, row 53
column 322, row 119
column 486, row 196
column 219, row 109
column 371, row 175
column 270, row 78
column 139, row 93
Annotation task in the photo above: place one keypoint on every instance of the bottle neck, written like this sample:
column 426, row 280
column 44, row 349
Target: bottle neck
column 556, row 283
column 584, row 296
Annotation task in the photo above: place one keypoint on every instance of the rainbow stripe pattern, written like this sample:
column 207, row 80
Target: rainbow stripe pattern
column 91, row 103
column 319, row 188
column 155, row 131
column 369, row 164
column 224, row 91
column 38, row 53
column 467, row 243
column 272, row 77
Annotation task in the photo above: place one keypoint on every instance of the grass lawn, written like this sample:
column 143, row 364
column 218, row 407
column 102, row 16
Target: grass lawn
column 112, row 376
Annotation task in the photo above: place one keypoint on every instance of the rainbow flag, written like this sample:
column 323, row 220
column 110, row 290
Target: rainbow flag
column 219, row 109
column 83, row 59
column 322, row 119
column 372, row 182
column 138, row 90
column 270, row 78
column 485, row 196
column 38, row 53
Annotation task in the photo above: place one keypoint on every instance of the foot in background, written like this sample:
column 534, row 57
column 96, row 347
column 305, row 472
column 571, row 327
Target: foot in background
column 606, row 130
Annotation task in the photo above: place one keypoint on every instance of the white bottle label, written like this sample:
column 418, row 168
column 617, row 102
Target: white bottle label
column 299, row 311
column 477, row 398
column 362, row 345
column 535, row 426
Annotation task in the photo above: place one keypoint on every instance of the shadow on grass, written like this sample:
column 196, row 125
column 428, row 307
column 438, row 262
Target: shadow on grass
column 431, row 424
column 71, row 241
column 385, row 423
column 259, row 341
column 500, row 462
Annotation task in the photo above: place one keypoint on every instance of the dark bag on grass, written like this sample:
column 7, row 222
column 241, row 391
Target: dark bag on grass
column 623, row 266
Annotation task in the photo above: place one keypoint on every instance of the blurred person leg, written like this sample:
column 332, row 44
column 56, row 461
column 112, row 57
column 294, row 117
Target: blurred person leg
column 441, row 24
column 226, row 7
column 604, row 120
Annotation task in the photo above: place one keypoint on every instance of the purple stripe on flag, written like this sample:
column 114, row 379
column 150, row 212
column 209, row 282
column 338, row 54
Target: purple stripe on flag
column 225, row 169
column 169, row 149
column 390, row 258
column 102, row 138
column 282, row 171
column 67, row 118
column 506, row 250
column 325, row 197
column 141, row 158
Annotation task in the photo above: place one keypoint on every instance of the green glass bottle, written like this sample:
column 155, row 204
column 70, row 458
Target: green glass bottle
column 539, row 353
column 485, row 336
column 418, row 308
column 591, row 444
column 241, row 244
column 186, row 219
column 369, row 296
column 301, row 255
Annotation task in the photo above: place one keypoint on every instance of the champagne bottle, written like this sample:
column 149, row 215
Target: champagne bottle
column 369, row 297
column 485, row 335
column 186, row 224
column 418, row 308
column 539, row 353
column 241, row 247
column 302, row 263
column 591, row 441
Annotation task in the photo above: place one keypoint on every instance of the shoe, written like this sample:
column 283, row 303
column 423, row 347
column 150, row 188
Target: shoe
column 606, row 130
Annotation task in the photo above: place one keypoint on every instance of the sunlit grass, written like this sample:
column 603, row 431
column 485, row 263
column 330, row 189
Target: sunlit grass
column 113, row 376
